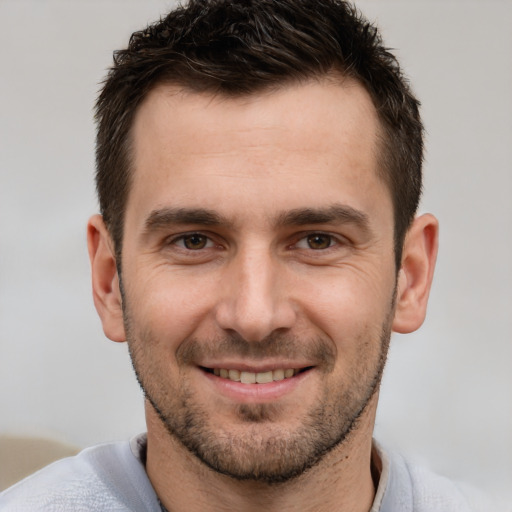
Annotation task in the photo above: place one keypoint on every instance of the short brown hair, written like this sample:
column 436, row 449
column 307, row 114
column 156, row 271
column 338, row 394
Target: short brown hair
column 239, row 47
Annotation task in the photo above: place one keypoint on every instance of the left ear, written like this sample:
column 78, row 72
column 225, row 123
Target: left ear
column 416, row 272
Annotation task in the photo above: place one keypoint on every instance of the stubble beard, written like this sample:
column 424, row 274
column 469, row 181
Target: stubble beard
column 260, row 449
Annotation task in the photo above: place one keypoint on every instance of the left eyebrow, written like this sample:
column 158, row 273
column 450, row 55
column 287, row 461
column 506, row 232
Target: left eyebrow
column 336, row 213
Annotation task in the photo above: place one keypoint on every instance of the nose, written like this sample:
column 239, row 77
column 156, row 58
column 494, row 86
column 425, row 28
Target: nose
column 255, row 298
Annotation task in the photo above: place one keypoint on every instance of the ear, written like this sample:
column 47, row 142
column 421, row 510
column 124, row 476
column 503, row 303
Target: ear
column 105, row 280
column 416, row 273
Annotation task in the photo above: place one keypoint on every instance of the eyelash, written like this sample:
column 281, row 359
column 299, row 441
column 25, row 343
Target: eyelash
column 182, row 238
column 209, row 242
column 308, row 238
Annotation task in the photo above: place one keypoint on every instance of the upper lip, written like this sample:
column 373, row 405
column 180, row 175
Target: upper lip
column 255, row 367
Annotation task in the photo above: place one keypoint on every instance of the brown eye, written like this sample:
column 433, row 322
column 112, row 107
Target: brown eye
column 319, row 241
column 195, row 241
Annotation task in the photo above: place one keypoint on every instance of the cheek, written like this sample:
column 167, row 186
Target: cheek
column 170, row 305
column 349, row 305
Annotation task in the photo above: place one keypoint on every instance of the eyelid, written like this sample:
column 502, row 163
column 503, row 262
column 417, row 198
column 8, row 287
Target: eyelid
column 335, row 238
column 174, row 239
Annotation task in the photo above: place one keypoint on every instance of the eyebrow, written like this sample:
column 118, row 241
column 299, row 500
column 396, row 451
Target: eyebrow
column 335, row 213
column 164, row 217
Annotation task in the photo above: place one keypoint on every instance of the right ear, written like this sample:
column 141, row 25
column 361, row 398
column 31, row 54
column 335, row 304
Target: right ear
column 105, row 279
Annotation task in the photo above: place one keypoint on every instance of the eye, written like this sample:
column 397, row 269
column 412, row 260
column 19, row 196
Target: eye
column 194, row 242
column 316, row 241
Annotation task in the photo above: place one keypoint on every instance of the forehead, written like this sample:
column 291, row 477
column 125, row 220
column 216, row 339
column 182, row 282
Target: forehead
column 300, row 143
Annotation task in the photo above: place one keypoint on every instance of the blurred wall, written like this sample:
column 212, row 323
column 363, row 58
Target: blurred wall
column 447, row 393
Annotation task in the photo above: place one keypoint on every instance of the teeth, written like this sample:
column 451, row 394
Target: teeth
column 234, row 375
column 278, row 374
column 248, row 378
column 253, row 378
column 264, row 377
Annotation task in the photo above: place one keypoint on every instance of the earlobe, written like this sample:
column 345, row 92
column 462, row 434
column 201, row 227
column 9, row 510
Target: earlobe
column 105, row 279
column 416, row 274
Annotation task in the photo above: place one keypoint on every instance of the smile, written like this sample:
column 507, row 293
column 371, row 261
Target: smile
column 246, row 377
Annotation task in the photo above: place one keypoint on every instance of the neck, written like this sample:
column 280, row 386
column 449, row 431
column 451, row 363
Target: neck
column 342, row 480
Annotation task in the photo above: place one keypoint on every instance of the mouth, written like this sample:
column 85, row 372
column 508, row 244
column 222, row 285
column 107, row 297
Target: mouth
column 246, row 377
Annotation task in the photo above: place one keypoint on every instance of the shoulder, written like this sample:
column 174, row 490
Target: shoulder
column 430, row 488
column 104, row 477
column 412, row 488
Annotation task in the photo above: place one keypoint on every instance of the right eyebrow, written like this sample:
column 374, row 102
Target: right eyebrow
column 165, row 217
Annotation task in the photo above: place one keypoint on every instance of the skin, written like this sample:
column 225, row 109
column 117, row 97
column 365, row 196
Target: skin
column 259, row 236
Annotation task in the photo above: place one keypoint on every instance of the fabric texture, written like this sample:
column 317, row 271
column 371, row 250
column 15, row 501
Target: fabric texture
column 105, row 477
column 411, row 488
column 112, row 477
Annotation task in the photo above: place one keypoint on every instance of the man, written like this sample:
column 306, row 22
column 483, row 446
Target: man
column 259, row 171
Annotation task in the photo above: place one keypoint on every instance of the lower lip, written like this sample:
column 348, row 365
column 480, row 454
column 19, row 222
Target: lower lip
column 256, row 393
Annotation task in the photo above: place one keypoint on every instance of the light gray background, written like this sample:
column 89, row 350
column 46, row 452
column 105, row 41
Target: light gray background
column 446, row 397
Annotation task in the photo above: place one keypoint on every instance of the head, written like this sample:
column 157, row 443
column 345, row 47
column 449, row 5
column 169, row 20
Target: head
column 259, row 169
column 237, row 48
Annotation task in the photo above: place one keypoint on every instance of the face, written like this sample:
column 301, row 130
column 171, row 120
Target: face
column 258, row 271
